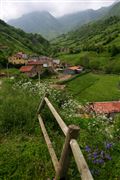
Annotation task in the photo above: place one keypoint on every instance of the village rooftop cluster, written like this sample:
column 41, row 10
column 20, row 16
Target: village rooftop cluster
column 33, row 65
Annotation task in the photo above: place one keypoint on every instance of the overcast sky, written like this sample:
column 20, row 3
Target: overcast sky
column 11, row 9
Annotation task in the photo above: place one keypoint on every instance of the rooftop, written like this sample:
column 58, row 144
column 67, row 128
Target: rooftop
column 26, row 68
column 37, row 62
column 74, row 67
column 106, row 107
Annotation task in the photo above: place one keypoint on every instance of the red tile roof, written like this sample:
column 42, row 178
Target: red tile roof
column 106, row 107
column 74, row 67
column 26, row 68
column 37, row 62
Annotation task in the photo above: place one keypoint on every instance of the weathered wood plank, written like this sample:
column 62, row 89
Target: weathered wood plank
column 42, row 103
column 61, row 123
column 80, row 161
column 73, row 132
column 49, row 144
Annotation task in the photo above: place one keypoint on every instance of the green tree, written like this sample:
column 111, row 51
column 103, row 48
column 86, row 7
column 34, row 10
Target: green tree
column 94, row 65
column 85, row 61
column 114, row 50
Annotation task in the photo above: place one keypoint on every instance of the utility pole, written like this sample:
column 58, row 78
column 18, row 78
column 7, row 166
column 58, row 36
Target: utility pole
column 7, row 70
column 39, row 77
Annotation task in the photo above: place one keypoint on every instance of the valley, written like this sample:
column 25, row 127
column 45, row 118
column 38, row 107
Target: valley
column 75, row 61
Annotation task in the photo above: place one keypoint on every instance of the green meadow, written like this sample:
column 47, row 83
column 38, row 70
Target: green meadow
column 23, row 151
column 95, row 87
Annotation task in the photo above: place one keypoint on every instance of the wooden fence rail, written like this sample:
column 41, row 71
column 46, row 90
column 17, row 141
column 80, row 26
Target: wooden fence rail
column 70, row 146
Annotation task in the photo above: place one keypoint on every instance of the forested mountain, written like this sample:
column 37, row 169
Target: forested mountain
column 51, row 27
column 13, row 40
column 71, row 21
column 92, row 35
column 38, row 22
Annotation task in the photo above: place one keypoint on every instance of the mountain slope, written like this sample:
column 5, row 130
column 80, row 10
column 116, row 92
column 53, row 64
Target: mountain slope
column 71, row 21
column 50, row 27
column 38, row 22
column 114, row 10
column 102, row 32
column 94, row 45
column 13, row 40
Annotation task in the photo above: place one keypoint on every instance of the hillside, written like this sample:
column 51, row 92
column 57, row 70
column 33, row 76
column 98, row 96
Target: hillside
column 93, row 32
column 107, row 18
column 38, row 22
column 114, row 10
column 74, row 20
column 13, row 40
column 51, row 27
column 98, row 43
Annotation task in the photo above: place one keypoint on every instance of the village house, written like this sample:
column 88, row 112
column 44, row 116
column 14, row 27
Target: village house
column 39, row 58
column 18, row 58
column 73, row 70
column 56, row 63
column 45, row 58
column 40, row 64
column 106, row 108
column 30, row 71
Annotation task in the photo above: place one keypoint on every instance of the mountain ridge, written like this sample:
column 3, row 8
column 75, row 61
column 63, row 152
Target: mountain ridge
column 33, row 23
column 50, row 27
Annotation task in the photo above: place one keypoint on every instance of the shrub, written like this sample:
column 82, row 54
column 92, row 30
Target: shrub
column 114, row 50
column 85, row 61
column 94, row 65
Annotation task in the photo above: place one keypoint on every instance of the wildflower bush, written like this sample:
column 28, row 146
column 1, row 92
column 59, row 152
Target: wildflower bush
column 20, row 99
column 101, row 149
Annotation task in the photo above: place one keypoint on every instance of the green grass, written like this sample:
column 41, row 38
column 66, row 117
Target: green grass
column 73, row 59
column 23, row 151
column 10, row 71
column 95, row 87
column 24, row 157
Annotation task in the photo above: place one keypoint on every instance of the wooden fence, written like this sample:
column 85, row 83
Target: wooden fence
column 70, row 146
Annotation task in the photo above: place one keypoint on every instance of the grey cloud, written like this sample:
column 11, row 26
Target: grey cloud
column 15, row 8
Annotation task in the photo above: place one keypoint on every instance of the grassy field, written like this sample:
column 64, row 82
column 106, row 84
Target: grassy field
column 76, row 58
column 95, row 87
column 102, row 58
column 23, row 152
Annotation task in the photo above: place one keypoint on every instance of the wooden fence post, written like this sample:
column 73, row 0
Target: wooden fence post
column 42, row 103
column 72, row 133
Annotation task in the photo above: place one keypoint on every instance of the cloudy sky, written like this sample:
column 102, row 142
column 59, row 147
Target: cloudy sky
column 11, row 9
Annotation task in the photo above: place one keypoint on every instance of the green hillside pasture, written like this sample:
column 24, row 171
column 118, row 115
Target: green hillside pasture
column 94, row 87
column 73, row 59
column 70, row 58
